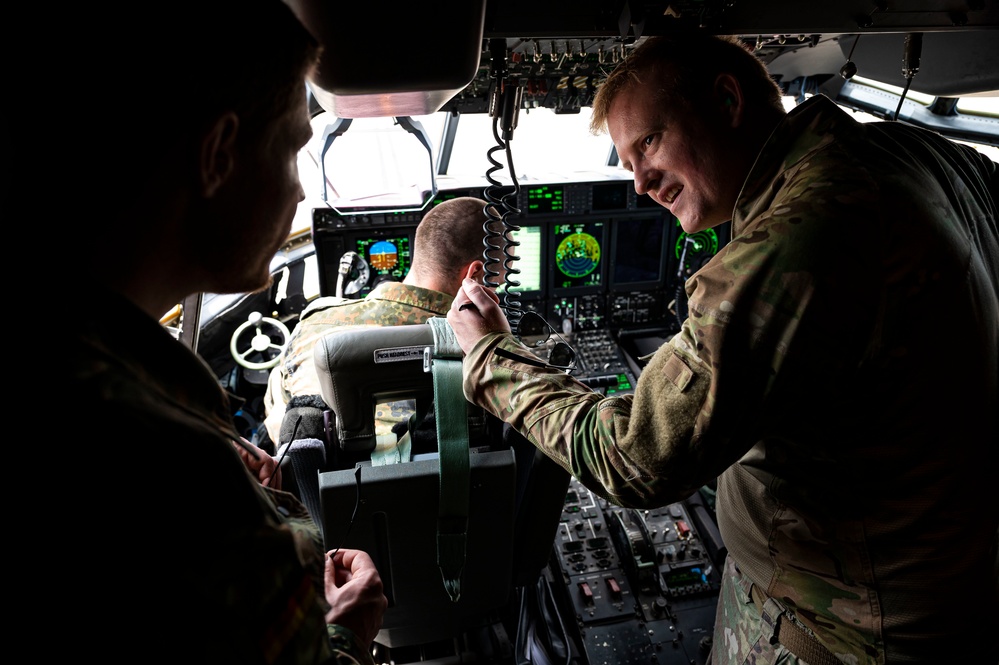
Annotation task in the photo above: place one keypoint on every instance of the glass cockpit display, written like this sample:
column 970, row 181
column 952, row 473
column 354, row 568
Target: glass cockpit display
column 693, row 250
column 378, row 259
column 578, row 254
column 623, row 264
column 640, row 251
column 528, row 264
column 386, row 256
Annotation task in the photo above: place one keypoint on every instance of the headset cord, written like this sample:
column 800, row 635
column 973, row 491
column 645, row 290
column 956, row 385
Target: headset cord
column 503, row 206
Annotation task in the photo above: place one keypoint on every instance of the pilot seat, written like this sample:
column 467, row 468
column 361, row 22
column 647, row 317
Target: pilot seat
column 454, row 533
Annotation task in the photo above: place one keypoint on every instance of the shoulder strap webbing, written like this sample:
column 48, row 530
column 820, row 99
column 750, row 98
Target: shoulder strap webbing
column 452, row 444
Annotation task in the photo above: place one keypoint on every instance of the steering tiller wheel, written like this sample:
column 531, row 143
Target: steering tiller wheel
column 262, row 342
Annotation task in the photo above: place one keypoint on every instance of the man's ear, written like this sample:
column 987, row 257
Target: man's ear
column 476, row 270
column 218, row 148
column 728, row 94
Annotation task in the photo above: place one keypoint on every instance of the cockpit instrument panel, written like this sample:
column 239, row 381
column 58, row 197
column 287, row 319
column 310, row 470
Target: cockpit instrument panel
column 587, row 255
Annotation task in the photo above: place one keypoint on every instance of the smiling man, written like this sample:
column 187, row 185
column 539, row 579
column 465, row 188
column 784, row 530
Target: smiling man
column 691, row 146
column 845, row 426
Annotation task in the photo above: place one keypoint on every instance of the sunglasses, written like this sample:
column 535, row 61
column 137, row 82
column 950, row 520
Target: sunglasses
column 534, row 331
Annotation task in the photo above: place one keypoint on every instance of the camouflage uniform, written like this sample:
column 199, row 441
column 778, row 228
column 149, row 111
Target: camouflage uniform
column 388, row 304
column 838, row 375
column 188, row 556
column 741, row 636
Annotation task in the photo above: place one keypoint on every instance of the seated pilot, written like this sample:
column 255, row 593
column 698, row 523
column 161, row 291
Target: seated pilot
column 448, row 247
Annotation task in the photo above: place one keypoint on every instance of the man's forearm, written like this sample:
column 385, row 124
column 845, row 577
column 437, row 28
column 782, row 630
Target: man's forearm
column 634, row 452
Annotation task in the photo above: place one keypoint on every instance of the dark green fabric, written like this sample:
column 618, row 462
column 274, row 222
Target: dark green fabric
column 452, row 446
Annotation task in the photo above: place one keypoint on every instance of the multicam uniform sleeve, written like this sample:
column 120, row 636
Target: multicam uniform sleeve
column 635, row 450
column 758, row 317
column 347, row 647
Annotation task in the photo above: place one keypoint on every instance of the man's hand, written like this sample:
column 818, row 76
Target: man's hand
column 475, row 313
column 264, row 467
column 355, row 593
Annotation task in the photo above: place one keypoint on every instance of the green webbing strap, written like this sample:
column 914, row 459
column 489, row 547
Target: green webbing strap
column 452, row 445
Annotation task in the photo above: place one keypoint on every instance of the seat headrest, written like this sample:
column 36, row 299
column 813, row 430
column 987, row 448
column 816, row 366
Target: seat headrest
column 362, row 366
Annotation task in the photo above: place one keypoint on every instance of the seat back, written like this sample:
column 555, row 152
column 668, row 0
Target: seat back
column 362, row 366
column 394, row 512
column 391, row 512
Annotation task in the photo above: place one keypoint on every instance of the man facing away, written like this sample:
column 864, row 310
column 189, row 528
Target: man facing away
column 448, row 248
column 838, row 372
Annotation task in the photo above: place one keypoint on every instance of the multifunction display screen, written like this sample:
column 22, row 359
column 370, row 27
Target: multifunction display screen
column 545, row 199
column 577, row 254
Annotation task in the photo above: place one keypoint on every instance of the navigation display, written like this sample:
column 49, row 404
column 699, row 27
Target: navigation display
column 577, row 255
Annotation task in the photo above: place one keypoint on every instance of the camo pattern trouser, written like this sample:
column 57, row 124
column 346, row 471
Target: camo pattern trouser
column 741, row 638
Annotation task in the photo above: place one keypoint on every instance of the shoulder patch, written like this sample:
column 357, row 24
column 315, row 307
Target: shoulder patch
column 678, row 373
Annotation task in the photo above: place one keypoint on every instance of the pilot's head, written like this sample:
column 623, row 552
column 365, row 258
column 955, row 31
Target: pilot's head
column 453, row 241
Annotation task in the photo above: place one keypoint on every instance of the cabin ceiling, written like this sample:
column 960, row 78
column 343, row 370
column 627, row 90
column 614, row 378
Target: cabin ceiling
column 449, row 55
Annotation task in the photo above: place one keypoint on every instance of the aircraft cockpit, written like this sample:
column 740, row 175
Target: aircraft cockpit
column 491, row 99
